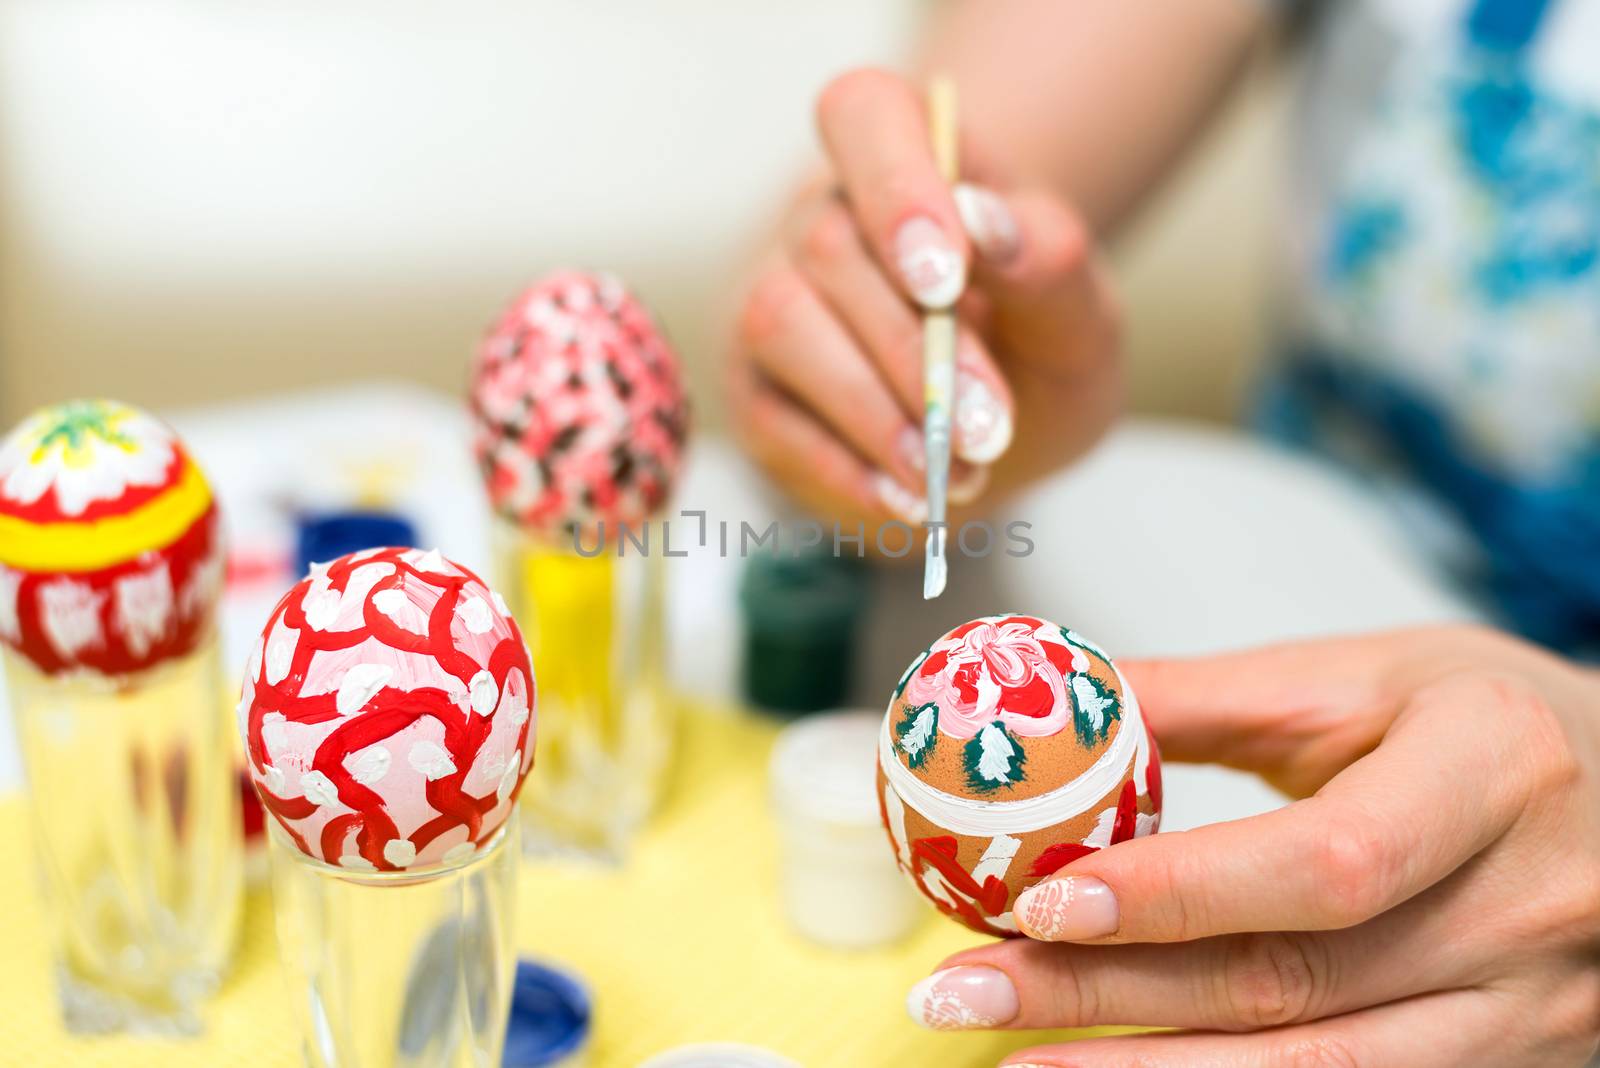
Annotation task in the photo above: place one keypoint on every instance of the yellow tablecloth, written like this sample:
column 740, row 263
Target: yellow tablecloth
column 686, row 943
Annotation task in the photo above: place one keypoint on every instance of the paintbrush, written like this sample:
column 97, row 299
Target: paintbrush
column 938, row 360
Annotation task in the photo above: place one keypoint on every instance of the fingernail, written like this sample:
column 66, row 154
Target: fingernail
column 1068, row 909
column 899, row 500
column 967, row 482
column 989, row 222
column 912, row 449
column 983, row 425
column 963, row 999
column 929, row 262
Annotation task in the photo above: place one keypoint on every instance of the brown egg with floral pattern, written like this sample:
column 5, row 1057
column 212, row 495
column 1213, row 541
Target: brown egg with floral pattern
column 1011, row 747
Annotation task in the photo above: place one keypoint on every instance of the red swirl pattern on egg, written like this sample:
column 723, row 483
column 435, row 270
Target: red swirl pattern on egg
column 579, row 408
column 388, row 711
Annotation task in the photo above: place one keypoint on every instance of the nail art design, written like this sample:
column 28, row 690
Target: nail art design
column 1042, row 909
column 989, row 222
column 963, row 999
column 1067, row 909
column 983, row 425
column 948, row 1012
column 929, row 262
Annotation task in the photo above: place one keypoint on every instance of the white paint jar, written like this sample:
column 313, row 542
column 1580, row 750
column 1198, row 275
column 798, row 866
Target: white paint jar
column 837, row 873
column 719, row 1055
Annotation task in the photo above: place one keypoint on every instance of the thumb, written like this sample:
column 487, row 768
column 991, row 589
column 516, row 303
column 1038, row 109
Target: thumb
column 1038, row 267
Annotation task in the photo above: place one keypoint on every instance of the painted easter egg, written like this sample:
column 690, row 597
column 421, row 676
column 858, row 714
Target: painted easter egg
column 579, row 408
column 111, row 552
column 388, row 712
column 1011, row 748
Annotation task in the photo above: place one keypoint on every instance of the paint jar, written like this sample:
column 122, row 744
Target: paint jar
column 719, row 1055
column 840, row 885
column 595, row 625
column 551, row 1019
column 135, row 813
column 404, row 968
column 802, row 612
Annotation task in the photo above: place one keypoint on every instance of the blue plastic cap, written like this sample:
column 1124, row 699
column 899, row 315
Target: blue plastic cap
column 550, row 1014
column 330, row 535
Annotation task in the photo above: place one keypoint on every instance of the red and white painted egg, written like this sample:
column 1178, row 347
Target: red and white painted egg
column 1011, row 747
column 111, row 550
column 579, row 407
column 388, row 712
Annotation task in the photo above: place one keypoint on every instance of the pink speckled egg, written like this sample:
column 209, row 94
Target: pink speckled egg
column 579, row 408
column 388, row 711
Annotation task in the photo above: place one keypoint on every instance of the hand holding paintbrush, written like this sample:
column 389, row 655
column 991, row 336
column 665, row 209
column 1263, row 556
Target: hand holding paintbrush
column 827, row 380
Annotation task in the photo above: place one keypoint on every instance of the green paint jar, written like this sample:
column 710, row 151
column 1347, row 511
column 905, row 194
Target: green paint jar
column 802, row 615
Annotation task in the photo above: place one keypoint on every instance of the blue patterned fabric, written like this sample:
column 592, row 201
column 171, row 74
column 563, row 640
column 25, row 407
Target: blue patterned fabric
column 1539, row 564
column 1449, row 323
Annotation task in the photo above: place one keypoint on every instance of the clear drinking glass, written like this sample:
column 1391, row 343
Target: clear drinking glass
column 399, row 969
column 135, row 813
column 595, row 626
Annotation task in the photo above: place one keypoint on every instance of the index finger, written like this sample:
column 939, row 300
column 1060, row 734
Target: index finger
column 876, row 133
column 1299, row 712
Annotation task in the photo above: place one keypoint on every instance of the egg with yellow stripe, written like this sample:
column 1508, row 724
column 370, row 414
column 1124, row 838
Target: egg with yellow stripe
column 111, row 554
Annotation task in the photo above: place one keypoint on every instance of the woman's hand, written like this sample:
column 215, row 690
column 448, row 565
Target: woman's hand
column 825, row 380
column 1433, row 899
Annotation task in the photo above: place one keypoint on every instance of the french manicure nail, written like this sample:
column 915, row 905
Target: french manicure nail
column 983, row 425
column 929, row 262
column 899, row 500
column 912, row 449
column 1068, row 909
column 989, row 222
column 967, row 998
